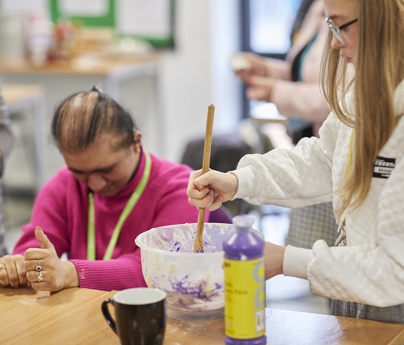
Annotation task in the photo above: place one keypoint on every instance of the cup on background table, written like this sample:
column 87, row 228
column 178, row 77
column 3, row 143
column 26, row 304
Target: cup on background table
column 139, row 315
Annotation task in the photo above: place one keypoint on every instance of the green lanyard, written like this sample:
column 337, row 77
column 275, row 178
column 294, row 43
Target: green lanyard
column 128, row 208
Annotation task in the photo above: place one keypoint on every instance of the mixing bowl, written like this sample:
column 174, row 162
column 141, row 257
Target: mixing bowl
column 193, row 281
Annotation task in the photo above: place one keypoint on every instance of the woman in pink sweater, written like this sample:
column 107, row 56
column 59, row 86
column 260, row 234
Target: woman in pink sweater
column 92, row 210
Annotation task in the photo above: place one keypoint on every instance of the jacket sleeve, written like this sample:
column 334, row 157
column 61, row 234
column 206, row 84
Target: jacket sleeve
column 291, row 178
column 370, row 270
column 372, row 273
column 115, row 274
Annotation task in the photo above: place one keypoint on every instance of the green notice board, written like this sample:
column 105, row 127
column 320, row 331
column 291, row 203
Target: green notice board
column 151, row 20
column 98, row 17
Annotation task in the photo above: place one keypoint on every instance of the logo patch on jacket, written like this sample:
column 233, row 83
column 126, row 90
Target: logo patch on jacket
column 383, row 167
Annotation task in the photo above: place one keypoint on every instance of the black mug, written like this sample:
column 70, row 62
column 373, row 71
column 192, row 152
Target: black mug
column 140, row 316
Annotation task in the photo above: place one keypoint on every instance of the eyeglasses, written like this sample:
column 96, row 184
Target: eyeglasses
column 336, row 30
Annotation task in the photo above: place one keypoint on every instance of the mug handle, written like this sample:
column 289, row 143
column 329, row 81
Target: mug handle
column 107, row 314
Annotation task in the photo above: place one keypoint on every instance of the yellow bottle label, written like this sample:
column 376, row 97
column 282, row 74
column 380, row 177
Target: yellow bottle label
column 244, row 310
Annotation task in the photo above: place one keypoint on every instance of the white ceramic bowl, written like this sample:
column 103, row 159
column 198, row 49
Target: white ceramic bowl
column 193, row 281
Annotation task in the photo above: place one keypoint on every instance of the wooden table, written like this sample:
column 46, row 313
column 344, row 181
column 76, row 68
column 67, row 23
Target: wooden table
column 112, row 68
column 74, row 316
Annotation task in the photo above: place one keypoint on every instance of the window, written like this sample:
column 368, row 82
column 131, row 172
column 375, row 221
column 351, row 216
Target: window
column 266, row 27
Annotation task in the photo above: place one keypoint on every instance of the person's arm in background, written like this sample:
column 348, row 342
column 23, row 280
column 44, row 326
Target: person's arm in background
column 299, row 99
column 247, row 65
column 268, row 80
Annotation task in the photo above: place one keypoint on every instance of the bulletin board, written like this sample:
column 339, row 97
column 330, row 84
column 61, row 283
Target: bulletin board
column 91, row 13
column 150, row 20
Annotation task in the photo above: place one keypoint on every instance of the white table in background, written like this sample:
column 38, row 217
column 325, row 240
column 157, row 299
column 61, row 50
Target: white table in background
column 29, row 99
column 131, row 80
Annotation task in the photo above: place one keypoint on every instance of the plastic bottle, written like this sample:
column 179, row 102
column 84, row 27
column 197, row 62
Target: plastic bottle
column 244, row 285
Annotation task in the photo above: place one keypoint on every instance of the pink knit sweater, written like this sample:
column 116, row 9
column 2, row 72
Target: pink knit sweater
column 61, row 209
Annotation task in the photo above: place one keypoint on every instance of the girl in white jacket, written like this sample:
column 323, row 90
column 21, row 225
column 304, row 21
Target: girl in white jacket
column 357, row 163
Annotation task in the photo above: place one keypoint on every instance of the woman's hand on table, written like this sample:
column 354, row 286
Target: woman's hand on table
column 12, row 271
column 45, row 270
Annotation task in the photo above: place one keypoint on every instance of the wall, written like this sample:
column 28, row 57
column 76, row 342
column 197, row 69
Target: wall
column 191, row 77
column 196, row 74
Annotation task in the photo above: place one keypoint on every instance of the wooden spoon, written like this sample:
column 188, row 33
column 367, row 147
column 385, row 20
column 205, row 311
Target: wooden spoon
column 198, row 241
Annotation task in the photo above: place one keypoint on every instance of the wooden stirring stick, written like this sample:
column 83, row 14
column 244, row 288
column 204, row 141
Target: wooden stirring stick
column 198, row 241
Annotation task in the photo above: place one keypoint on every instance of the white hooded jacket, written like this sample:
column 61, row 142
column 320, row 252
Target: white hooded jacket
column 370, row 269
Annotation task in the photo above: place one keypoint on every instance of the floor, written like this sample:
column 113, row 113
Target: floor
column 282, row 292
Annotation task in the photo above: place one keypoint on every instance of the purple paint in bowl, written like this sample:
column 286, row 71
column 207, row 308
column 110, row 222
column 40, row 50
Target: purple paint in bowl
column 193, row 281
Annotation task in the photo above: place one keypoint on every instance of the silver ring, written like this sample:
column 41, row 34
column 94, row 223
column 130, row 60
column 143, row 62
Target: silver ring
column 40, row 277
column 38, row 268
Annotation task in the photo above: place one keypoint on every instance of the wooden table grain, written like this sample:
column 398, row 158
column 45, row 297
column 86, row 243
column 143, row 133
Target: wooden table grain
column 73, row 316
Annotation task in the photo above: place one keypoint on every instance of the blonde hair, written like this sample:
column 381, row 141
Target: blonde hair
column 379, row 69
